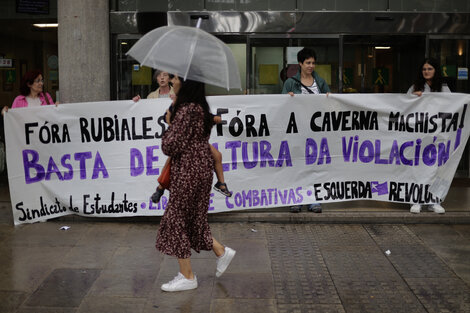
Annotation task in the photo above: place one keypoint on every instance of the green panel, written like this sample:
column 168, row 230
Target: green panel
column 449, row 70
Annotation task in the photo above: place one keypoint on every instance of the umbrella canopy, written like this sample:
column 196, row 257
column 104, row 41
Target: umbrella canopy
column 189, row 53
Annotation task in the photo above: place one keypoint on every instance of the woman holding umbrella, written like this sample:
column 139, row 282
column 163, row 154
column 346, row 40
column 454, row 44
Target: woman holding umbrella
column 200, row 58
column 184, row 225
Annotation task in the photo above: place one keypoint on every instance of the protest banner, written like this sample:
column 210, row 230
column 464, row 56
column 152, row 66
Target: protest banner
column 103, row 158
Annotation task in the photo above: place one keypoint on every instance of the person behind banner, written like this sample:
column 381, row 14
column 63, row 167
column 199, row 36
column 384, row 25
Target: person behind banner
column 164, row 90
column 306, row 81
column 429, row 80
column 31, row 92
column 184, row 224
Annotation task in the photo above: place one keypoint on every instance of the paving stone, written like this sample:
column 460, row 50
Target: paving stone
column 243, row 305
column 462, row 270
column 388, row 235
column 377, row 296
column 112, row 304
column 463, row 230
column 94, row 256
column 279, row 268
column 458, row 253
column 23, row 276
column 299, row 272
column 310, row 308
column 11, row 300
column 418, row 261
column 46, row 235
column 142, row 258
column 125, row 283
column 382, row 307
column 105, row 235
column 190, row 305
column 64, row 288
column 6, row 232
column 46, row 310
column 441, row 295
column 231, row 231
column 357, row 263
column 437, row 234
column 140, row 235
column 252, row 256
column 341, row 235
column 244, row 286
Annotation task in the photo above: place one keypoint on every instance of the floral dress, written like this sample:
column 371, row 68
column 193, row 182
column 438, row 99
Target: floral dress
column 184, row 224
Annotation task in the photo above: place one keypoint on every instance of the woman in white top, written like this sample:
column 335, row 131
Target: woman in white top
column 429, row 80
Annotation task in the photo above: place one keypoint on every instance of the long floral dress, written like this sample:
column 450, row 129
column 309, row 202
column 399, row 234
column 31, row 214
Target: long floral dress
column 184, row 224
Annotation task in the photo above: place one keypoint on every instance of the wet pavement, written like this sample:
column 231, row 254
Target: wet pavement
column 112, row 266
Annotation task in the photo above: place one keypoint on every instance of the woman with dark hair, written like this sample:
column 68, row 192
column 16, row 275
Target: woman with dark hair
column 306, row 81
column 31, row 92
column 429, row 80
column 184, row 224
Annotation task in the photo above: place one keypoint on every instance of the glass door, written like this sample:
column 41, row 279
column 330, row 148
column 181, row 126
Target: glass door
column 272, row 60
column 452, row 53
column 378, row 64
column 128, row 77
column 453, row 57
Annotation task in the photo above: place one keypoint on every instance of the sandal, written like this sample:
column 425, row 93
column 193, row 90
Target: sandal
column 223, row 189
column 157, row 195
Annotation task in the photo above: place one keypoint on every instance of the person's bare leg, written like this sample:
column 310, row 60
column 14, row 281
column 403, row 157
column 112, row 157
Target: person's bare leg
column 218, row 168
column 218, row 248
column 185, row 268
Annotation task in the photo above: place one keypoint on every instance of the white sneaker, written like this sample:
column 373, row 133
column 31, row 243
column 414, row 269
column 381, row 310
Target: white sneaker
column 415, row 208
column 437, row 208
column 224, row 260
column 180, row 283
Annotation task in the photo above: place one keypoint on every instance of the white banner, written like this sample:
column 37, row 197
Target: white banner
column 103, row 158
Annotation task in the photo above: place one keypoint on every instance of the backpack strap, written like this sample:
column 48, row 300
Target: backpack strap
column 308, row 89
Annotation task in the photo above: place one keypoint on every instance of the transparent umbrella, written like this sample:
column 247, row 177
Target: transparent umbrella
column 190, row 53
